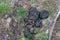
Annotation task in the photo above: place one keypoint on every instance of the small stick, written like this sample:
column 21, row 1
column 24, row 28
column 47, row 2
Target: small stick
column 50, row 34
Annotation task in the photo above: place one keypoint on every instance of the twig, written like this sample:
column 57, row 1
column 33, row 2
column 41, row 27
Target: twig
column 50, row 34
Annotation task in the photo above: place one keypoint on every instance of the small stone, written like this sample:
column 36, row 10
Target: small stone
column 47, row 31
column 7, row 16
column 32, row 31
column 9, row 20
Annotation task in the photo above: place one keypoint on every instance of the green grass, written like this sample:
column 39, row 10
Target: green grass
column 41, row 36
column 4, row 8
column 58, row 33
column 21, row 14
column 29, row 37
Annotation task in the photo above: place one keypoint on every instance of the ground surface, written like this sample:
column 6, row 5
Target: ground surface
column 12, row 30
column 56, row 33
